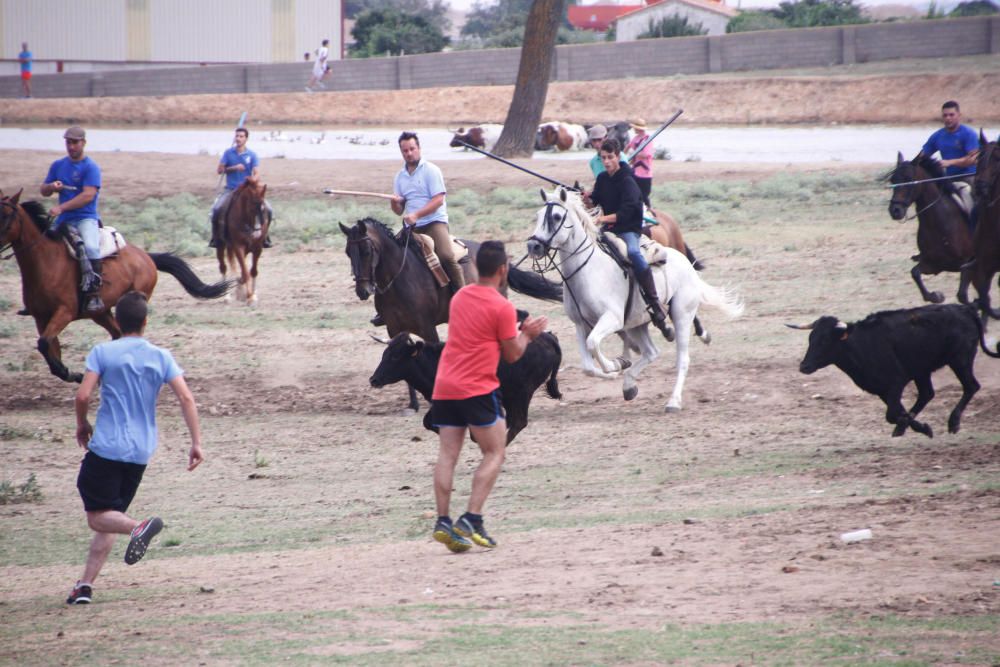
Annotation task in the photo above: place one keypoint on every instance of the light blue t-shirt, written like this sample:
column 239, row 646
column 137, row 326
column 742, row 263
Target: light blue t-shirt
column 231, row 158
column 419, row 188
column 132, row 371
column 75, row 175
column 596, row 165
column 25, row 58
column 953, row 145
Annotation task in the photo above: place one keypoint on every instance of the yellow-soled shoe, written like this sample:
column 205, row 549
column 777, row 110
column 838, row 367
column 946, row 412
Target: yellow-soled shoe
column 446, row 535
column 477, row 534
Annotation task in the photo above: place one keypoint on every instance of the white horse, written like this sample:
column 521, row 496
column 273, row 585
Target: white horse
column 596, row 294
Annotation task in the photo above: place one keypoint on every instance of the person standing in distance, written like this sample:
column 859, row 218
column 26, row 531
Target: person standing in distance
column 239, row 164
column 482, row 326
column 319, row 68
column 25, row 57
column 131, row 372
column 642, row 162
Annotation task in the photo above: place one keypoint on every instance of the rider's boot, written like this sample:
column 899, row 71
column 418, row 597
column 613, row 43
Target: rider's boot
column 214, row 242
column 647, row 286
column 90, row 283
column 377, row 320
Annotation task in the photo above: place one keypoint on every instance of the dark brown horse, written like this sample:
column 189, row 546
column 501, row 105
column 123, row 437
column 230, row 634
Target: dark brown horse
column 668, row 233
column 943, row 235
column 244, row 229
column 987, row 237
column 406, row 294
column 50, row 278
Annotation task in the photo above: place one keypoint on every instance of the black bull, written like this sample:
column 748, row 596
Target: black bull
column 887, row 350
column 409, row 358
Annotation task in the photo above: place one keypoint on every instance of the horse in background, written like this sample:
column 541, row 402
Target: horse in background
column 245, row 225
column 943, row 235
column 601, row 300
column 986, row 240
column 50, row 278
column 561, row 136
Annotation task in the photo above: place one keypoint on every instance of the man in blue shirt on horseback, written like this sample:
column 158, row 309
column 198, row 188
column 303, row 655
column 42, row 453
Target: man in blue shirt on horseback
column 238, row 163
column 957, row 143
column 77, row 180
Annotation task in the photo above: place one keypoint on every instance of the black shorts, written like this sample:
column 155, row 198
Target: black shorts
column 483, row 410
column 107, row 485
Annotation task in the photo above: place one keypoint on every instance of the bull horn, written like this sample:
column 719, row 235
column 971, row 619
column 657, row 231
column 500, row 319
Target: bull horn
column 840, row 326
column 415, row 339
column 801, row 327
column 379, row 339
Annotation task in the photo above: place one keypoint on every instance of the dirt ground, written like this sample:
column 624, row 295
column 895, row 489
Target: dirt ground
column 622, row 529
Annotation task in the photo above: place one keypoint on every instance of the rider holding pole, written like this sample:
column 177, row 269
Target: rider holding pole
column 618, row 195
column 238, row 164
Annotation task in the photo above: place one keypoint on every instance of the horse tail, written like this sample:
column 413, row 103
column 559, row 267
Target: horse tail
column 725, row 299
column 531, row 284
column 185, row 275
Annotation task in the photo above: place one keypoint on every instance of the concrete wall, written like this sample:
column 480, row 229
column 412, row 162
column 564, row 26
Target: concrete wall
column 586, row 62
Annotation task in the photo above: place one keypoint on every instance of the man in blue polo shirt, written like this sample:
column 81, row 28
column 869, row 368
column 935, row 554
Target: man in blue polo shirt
column 957, row 143
column 419, row 196
column 77, row 179
column 239, row 164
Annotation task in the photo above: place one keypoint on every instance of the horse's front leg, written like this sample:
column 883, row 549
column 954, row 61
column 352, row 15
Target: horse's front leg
column 586, row 361
column 683, row 323
column 48, row 344
column 931, row 297
column 243, row 289
column 608, row 324
column 252, row 298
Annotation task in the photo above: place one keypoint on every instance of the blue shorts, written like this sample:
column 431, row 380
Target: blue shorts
column 485, row 410
column 107, row 485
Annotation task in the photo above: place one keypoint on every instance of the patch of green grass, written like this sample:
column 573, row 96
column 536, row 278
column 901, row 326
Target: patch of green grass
column 29, row 492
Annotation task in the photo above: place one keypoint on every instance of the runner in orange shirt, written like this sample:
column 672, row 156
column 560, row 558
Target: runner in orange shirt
column 482, row 326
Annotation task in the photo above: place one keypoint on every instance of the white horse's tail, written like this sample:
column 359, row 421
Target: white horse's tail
column 725, row 299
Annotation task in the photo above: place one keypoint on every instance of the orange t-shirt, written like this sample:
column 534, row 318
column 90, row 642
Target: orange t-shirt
column 479, row 318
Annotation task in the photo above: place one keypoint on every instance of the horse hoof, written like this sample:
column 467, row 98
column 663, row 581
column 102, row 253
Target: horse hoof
column 630, row 393
column 670, row 409
column 706, row 338
column 623, row 363
column 76, row 377
column 937, row 297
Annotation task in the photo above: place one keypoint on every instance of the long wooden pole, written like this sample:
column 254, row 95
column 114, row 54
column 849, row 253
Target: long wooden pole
column 357, row 193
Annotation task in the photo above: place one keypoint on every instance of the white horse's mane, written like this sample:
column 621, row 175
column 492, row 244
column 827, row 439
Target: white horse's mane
column 574, row 204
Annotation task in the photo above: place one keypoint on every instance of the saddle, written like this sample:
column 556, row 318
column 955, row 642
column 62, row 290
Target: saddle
column 655, row 254
column 961, row 193
column 460, row 250
column 111, row 242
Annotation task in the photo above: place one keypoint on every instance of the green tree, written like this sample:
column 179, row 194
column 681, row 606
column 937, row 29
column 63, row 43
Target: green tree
column 754, row 20
column 436, row 11
column 674, row 25
column 975, row 8
column 380, row 31
column 812, row 13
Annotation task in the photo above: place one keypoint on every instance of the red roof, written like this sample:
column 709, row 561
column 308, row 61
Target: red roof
column 597, row 17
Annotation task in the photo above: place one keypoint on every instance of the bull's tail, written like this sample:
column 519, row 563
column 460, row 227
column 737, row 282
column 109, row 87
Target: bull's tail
column 185, row 275
column 725, row 299
column 531, row 284
column 552, row 384
column 982, row 335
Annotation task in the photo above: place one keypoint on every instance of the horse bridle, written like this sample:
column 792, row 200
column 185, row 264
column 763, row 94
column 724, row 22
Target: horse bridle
column 5, row 222
column 908, row 201
column 550, row 252
column 407, row 233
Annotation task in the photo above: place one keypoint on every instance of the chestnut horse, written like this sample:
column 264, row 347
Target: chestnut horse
column 244, row 229
column 943, row 236
column 668, row 233
column 987, row 237
column 50, row 278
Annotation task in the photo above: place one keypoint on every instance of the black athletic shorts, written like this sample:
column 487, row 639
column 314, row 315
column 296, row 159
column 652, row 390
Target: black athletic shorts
column 483, row 410
column 107, row 485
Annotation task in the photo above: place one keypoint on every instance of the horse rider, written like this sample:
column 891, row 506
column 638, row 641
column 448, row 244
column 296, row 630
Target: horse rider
column 596, row 136
column 77, row 179
column 419, row 196
column 239, row 164
column 959, row 147
column 617, row 193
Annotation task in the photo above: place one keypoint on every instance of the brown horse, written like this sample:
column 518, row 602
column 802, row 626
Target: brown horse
column 987, row 237
column 561, row 137
column 244, row 228
column 943, row 235
column 668, row 233
column 406, row 294
column 50, row 278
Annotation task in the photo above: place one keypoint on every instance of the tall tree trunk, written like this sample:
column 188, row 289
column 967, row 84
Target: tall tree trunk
column 518, row 136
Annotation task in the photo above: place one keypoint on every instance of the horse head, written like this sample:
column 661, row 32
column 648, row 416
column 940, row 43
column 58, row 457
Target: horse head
column 987, row 170
column 555, row 222
column 902, row 196
column 9, row 207
column 363, row 251
column 548, row 135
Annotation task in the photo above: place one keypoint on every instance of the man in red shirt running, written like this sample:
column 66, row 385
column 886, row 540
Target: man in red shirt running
column 482, row 325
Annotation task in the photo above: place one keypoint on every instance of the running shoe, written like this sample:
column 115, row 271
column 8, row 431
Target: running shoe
column 141, row 536
column 80, row 594
column 446, row 535
column 476, row 532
